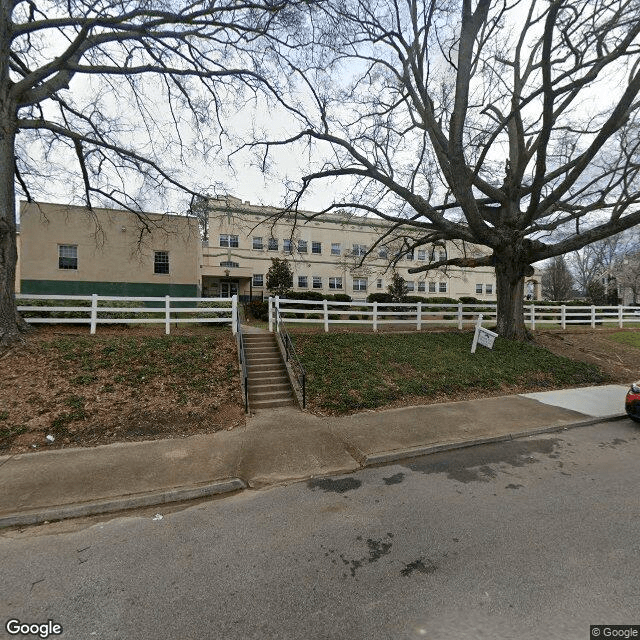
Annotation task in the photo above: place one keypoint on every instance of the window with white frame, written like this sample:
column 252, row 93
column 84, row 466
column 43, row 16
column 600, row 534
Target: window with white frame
column 422, row 285
column 408, row 255
column 379, row 283
column 432, row 287
column 302, row 282
column 257, row 243
column 287, row 245
column 258, row 280
column 273, row 244
column 422, row 254
column 335, row 283
column 442, row 254
column 302, row 246
column 442, row 287
column 478, row 288
column 317, row 282
column 383, row 253
column 336, row 249
column 316, row 247
column 488, row 288
column 411, row 285
column 67, row 256
column 227, row 240
column 359, row 250
column 359, row 284
column 160, row 262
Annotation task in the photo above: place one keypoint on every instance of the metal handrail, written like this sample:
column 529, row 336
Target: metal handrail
column 243, row 362
column 291, row 356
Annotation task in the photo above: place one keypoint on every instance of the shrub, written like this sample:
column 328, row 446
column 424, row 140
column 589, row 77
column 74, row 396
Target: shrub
column 257, row 309
column 379, row 297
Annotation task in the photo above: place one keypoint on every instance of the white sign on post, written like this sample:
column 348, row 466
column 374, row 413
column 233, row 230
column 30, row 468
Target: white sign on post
column 482, row 336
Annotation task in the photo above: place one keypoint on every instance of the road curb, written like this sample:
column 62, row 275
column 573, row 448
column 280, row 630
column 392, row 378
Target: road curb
column 110, row 505
column 423, row 450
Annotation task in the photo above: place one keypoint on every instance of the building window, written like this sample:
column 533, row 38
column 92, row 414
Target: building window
column 442, row 255
column 258, row 280
column 287, row 245
column 432, row 287
column 359, row 250
column 488, row 288
column 273, row 244
column 336, row 249
column 422, row 254
column 317, row 282
column 257, row 243
column 359, row 284
column 316, row 247
column 160, row 262
column 422, row 286
column 383, row 253
column 302, row 246
column 408, row 255
column 442, row 287
column 302, row 282
column 411, row 285
column 379, row 283
column 335, row 283
column 478, row 288
column 68, row 256
column 227, row 240
column 224, row 263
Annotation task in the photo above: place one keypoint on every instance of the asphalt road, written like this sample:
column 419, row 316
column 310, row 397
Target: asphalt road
column 535, row 538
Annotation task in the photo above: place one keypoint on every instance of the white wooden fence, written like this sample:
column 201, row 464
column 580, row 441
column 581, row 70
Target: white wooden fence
column 94, row 310
column 420, row 314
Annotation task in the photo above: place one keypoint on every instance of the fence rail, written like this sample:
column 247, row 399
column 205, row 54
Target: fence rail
column 98, row 309
column 419, row 314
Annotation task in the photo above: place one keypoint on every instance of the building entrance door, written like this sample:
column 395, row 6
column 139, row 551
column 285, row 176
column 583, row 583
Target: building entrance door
column 228, row 289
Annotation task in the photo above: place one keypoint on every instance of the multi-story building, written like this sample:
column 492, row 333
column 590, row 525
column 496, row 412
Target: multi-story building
column 67, row 249
column 328, row 253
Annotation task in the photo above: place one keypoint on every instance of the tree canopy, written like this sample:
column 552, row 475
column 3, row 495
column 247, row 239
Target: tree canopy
column 119, row 92
column 513, row 126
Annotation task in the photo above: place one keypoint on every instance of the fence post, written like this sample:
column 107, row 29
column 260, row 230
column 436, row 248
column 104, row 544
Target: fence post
column 234, row 314
column 270, row 314
column 167, row 315
column 276, row 306
column 419, row 317
column 94, row 312
column 620, row 312
column 593, row 316
column 533, row 317
column 563, row 317
column 325, row 309
column 460, row 316
column 375, row 316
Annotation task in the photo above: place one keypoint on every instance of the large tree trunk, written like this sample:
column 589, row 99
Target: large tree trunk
column 510, row 291
column 11, row 324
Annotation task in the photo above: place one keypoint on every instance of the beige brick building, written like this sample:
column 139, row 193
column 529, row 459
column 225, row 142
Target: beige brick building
column 326, row 255
column 71, row 250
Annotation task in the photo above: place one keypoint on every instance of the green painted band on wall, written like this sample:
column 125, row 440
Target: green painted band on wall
column 131, row 289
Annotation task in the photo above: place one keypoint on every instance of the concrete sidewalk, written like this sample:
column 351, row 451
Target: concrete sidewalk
column 276, row 446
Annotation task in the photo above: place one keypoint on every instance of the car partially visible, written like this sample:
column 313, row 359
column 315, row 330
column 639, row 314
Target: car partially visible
column 632, row 402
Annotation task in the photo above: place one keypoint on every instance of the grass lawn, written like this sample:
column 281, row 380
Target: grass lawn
column 630, row 338
column 351, row 371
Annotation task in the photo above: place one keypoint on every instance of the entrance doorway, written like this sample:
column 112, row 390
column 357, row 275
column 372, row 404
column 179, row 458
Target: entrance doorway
column 228, row 289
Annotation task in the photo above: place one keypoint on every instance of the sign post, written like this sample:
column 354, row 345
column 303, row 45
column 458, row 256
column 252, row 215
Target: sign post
column 482, row 336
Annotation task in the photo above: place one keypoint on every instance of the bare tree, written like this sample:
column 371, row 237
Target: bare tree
column 628, row 277
column 104, row 85
column 598, row 258
column 502, row 124
column 557, row 281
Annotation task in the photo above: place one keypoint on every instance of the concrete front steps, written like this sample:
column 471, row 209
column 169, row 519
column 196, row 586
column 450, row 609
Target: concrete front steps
column 268, row 381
